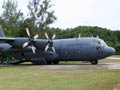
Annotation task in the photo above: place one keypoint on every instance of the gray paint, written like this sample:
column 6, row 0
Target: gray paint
column 73, row 49
column 82, row 49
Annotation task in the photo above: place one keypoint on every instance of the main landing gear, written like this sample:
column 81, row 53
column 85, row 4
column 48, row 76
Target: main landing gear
column 54, row 62
column 94, row 62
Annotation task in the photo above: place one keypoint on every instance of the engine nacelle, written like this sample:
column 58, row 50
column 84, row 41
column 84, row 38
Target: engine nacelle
column 19, row 42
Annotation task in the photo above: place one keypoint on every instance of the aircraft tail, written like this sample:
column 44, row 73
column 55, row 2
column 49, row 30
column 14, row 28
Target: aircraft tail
column 1, row 32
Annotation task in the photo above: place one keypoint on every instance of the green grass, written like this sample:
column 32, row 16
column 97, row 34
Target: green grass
column 35, row 78
column 118, row 56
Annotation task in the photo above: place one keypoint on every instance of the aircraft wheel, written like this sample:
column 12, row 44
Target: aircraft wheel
column 49, row 62
column 55, row 62
column 94, row 62
column 35, row 63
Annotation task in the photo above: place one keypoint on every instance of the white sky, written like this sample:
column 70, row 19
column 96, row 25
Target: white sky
column 72, row 13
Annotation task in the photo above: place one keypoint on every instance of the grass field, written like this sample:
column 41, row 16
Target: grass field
column 79, row 76
column 35, row 78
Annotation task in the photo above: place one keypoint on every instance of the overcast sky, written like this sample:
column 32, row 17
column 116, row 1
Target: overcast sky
column 72, row 13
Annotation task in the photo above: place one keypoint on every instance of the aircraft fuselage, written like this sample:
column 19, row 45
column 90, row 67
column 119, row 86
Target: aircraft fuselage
column 74, row 49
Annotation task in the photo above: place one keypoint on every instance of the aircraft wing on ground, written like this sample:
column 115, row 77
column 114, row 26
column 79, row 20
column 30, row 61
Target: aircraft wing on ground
column 16, row 44
column 33, row 42
column 6, row 40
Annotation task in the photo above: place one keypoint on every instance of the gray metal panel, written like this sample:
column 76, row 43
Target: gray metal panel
column 78, row 49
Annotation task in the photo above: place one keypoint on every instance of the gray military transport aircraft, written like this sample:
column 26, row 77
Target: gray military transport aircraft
column 50, row 51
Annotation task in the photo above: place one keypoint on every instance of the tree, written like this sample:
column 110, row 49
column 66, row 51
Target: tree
column 11, row 16
column 41, row 13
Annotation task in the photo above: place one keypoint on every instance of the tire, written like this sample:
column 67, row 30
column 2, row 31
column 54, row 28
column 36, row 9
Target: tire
column 35, row 63
column 56, row 62
column 49, row 62
column 94, row 62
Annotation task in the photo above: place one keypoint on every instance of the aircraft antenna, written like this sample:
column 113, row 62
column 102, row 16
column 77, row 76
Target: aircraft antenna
column 79, row 35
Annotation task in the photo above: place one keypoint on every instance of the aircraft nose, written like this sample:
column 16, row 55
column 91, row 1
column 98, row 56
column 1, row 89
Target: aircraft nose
column 110, row 51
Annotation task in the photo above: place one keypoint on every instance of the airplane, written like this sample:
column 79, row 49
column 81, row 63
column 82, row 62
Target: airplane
column 52, row 51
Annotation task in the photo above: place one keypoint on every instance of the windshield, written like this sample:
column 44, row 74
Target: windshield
column 99, row 42
column 102, row 42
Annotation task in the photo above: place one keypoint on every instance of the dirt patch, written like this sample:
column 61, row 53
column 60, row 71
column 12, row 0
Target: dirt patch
column 81, row 67
column 117, row 87
column 73, row 67
column 113, row 65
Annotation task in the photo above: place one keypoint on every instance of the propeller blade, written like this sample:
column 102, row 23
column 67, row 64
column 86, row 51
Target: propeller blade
column 53, row 37
column 28, row 32
column 33, row 49
column 25, row 44
column 46, row 35
column 46, row 48
column 53, row 49
column 36, row 37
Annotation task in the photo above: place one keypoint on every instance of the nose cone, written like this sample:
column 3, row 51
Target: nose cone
column 109, row 51
column 112, row 51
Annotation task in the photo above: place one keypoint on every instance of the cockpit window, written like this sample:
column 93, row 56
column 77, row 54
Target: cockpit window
column 103, row 43
column 96, row 42
column 99, row 42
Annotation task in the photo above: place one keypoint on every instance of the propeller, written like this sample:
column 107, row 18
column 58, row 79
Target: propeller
column 30, row 41
column 50, row 42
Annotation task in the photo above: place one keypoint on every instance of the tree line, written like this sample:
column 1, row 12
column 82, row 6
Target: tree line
column 40, row 16
column 112, row 38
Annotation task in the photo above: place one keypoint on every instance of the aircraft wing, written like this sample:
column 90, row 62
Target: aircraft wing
column 6, row 40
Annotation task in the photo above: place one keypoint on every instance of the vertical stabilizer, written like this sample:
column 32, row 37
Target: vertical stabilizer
column 1, row 32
